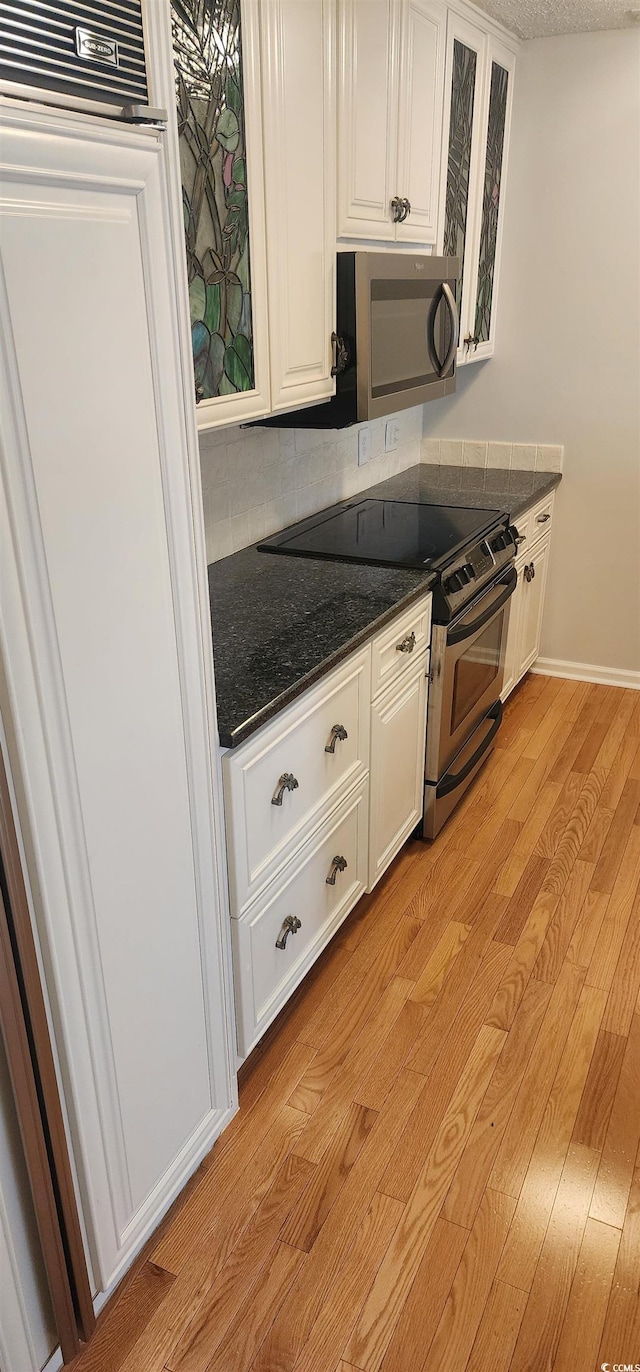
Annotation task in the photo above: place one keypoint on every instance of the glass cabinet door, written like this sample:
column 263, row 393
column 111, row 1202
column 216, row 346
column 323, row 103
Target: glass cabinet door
column 496, row 128
column 480, row 79
column 463, row 95
column 209, row 92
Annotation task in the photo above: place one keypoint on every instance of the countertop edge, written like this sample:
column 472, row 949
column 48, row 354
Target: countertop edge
column 250, row 726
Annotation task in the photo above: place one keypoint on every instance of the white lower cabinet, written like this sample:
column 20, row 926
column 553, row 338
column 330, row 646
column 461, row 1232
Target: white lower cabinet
column 398, row 738
column 527, row 602
column 532, row 588
column 282, row 781
column 354, row 746
column 281, row 935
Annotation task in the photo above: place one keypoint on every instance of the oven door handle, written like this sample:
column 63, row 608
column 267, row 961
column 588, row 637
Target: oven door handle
column 451, row 780
column 463, row 631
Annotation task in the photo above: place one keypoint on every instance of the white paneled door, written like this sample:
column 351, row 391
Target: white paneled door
column 298, row 94
column 102, row 647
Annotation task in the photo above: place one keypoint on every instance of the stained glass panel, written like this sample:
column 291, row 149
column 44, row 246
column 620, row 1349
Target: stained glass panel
column 208, row 64
column 491, row 200
column 463, row 88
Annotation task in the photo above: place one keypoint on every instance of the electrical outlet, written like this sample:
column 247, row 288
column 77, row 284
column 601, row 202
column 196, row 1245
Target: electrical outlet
column 364, row 446
column 391, row 435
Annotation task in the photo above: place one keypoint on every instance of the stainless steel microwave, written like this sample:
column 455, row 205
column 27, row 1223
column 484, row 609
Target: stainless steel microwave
column 395, row 341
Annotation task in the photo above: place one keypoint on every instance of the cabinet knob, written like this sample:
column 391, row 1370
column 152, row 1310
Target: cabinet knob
column 543, row 518
column 408, row 644
column 290, row 926
column 407, row 210
column 398, row 212
column 338, row 732
column 287, row 782
column 339, row 864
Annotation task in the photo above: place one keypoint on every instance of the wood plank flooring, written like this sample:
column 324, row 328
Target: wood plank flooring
column 436, row 1162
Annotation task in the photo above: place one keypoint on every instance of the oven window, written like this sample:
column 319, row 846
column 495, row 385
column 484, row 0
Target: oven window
column 475, row 670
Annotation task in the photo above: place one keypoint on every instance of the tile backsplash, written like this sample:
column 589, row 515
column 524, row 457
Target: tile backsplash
column 256, row 481
column 522, row 457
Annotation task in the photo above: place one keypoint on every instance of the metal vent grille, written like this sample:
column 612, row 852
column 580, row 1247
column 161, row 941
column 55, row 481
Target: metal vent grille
column 89, row 50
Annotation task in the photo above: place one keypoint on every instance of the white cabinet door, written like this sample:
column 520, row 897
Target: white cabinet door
column 422, row 56
column 534, row 580
column 398, row 739
column 512, row 654
column 367, row 117
column 490, row 192
column 298, row 93
column 477, row 115
column 101, row 626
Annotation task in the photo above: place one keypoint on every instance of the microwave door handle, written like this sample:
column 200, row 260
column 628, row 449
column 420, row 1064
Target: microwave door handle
column 430, row 331
column 457, row 635
column 455, row 327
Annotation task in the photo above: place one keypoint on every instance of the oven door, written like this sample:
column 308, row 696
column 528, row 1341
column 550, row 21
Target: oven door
column 468, row 670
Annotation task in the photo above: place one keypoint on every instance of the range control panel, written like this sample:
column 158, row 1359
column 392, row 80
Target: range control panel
column 468, row 574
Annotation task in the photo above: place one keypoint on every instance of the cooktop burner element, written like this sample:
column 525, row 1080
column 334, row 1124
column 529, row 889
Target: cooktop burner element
column 387, row 533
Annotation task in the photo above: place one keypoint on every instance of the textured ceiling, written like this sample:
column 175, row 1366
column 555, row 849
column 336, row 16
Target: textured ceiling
column 542, row 18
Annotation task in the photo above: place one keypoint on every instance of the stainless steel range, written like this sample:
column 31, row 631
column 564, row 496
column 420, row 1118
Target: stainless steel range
column 471, row 552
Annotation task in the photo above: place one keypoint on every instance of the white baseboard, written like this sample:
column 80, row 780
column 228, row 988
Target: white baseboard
column 587, row 671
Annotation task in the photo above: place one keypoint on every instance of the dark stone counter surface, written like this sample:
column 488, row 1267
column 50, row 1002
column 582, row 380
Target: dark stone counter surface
column 281, row 623
column 476, row 488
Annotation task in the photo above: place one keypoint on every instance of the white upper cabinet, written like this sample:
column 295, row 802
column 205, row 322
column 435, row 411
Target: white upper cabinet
column 253, row 173
column 391, row 57
column 298, row 102
column 367, row 117
column 204, row 67
column 422, row 44
column 478, row 100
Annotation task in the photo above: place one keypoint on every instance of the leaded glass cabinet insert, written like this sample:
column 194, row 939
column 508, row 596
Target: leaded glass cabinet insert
column 463, row 87
column 491, row 201
column 208, row 67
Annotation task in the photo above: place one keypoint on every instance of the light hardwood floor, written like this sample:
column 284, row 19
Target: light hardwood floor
column 436, row 1163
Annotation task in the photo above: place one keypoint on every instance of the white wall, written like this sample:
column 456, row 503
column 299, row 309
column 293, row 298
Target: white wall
column 567, row 362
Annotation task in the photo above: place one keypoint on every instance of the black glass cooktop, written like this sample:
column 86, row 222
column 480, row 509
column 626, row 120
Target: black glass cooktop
column 386, row 533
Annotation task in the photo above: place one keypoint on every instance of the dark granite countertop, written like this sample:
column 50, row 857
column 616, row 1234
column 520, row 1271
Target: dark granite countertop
column 281, row 623
column 475, row 488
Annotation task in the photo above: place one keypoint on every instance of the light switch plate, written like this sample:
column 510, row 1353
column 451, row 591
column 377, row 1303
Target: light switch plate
column 391, row 435
column 364, row 446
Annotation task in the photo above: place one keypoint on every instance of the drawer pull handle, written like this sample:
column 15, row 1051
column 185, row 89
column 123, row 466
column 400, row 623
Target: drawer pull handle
column 529, row 572
column 520, row 538
column 338, row 865
column 290, row 926
column 287, row 782
column 408, row 644
column 543, row 518
column 338, row 732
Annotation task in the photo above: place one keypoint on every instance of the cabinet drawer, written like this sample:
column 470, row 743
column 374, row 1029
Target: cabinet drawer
column 534, row 523
column 318, row 747
column 396, row 648
column 266, row 975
